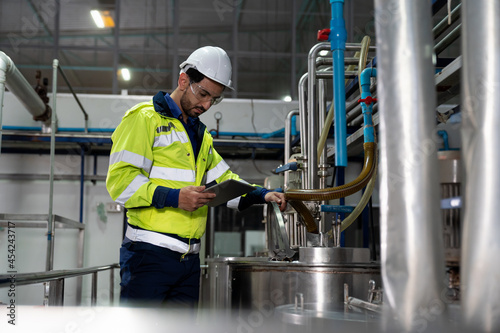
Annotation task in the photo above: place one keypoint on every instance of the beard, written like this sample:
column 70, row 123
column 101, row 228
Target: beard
column 189, row 108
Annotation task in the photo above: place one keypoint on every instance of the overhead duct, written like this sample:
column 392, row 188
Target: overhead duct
column 480, row 272
column 17, row 84
column 411, row 236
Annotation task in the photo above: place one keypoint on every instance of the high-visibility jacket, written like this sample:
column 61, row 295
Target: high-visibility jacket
column 152, row 148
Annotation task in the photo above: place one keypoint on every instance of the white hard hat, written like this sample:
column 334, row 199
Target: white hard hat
column 211, row 61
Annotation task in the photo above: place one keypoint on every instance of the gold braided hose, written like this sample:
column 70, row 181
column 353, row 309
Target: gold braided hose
column 343, row 190
column 306, row 215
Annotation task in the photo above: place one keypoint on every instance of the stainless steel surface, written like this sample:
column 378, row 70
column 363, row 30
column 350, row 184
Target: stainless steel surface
column 450, row 174
column 303, row 127
column 333, row 255
column 450, row 170
column 239, row 284
column 312, row 114
column 327, row 317
column 481, row 160
column 411, row 234
column 277, row 237
column 288, row 138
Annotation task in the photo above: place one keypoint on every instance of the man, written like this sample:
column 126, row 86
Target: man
column 162, row 158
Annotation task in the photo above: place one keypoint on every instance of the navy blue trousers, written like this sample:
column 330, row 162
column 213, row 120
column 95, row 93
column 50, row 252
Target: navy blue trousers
column 155, row 276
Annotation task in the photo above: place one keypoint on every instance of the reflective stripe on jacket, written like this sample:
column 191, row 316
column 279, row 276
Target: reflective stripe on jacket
column 151, row 149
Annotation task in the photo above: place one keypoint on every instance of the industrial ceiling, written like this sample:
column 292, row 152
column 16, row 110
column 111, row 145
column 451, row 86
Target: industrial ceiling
column 268, row 41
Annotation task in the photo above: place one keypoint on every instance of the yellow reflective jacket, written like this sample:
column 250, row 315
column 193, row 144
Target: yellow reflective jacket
column 151, row 148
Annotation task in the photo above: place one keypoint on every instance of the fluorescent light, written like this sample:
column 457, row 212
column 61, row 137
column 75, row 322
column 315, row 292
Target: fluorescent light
column 125, row 74
column 287, row 99
column 99, row 22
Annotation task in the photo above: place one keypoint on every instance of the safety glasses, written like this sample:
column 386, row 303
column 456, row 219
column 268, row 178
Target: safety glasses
column 202, row 95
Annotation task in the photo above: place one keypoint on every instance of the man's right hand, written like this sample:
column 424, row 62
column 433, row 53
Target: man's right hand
column 191, row 197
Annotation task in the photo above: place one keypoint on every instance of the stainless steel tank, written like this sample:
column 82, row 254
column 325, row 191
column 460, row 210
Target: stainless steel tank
column 235, row 283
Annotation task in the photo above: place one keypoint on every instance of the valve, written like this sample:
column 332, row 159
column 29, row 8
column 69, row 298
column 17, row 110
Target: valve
column 323, row 34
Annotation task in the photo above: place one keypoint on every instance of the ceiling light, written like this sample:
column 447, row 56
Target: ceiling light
column 287, row 99
column 102, row 18
column 125, row 73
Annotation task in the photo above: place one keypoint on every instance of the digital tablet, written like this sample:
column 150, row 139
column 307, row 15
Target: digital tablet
column 228, row 190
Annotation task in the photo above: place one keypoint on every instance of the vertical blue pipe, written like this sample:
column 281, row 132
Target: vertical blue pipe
column 341, row 181
column 365, row 76
column 337, row 38
column 82, row 181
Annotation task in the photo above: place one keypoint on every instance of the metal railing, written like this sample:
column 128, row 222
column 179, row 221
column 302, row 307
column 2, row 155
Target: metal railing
column 54, row 282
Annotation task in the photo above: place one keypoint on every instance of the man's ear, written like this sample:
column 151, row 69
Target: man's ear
column 183, row 81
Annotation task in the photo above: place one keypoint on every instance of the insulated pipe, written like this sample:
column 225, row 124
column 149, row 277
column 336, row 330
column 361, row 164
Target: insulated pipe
column 367, row 105
column 338, row 36
column 411, row 230
column 17, row 84
column 312, row 116
column 480, row 271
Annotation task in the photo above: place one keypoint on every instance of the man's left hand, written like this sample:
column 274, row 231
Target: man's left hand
column 277, row 197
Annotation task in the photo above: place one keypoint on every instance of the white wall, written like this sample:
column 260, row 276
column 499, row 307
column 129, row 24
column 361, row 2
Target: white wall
column 102, row 239
column 106, row 111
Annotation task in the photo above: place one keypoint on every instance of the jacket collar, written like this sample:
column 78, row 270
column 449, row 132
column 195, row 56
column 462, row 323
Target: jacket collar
column 161, row 106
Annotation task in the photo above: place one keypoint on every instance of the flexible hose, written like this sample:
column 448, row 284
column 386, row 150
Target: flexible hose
column 365, row 47
column 364, row 200
column 306, row 215
column 343, row 190
column 326, row 129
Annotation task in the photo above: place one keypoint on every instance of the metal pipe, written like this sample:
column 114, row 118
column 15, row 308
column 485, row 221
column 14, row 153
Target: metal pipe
column 411, row 230
column 93, row 292
column 2, row 91
column 480, row 122
column 312, row 120
column 338, row 36
column 445, row 22
column 448, row 39
column 20, row 87
column 82, row 181
column 288, row 138
column 85, row 115
column 40, row 277
column 322, row 173
column 50, row 223
column 111, row 287
column 303, row 127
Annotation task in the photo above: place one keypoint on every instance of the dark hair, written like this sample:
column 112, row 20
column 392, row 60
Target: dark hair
column 194, row 75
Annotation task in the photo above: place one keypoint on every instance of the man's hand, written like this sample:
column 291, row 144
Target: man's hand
column 277, row 197
column 191, row 198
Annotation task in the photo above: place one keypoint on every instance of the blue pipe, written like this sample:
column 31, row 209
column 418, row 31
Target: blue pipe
column 337, row 38
column 294, row 131
column 60, row 129
column 444, row 135
column 365, row 76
